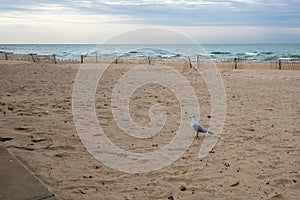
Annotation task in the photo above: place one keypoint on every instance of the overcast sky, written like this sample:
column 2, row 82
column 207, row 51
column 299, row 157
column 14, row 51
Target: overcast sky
column 91, row 21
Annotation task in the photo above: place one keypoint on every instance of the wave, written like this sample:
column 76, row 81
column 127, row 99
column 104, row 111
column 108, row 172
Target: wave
column 294, row 56
column 153, row 52
column 220, row 52
column 271, row 58
column 251, row 54
column 74, row 51
column 267, row 53
column 133, row 52
column 5, row 51
column 171, row 56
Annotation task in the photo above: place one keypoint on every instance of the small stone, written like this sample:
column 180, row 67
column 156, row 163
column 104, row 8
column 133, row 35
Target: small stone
column 23, row 128
column 4, row 139
column 38, row 139
column 82, row 192
column 235, row 184
column 182, row 188
column 183, row 171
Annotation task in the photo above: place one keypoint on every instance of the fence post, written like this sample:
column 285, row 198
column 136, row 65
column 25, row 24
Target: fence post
column 54, row 59
column 81, row 59
column 198, row 61
column 32, row 57
column 190, row 63
column 96, row 58
column 235, row 63
column 6, row 57
column 149, row 60
column 279, row 63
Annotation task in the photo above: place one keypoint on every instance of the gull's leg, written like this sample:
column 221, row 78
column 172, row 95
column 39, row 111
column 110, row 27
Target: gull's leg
column 197, row 134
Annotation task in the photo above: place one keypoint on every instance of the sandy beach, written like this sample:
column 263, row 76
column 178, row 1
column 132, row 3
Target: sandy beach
column 256, row 157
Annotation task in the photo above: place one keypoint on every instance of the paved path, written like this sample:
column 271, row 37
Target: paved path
column 17, row 182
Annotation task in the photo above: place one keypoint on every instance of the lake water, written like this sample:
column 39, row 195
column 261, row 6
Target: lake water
column 259, row 52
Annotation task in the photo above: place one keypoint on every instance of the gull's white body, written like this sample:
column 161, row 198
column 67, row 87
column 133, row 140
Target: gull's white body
column 197, row 126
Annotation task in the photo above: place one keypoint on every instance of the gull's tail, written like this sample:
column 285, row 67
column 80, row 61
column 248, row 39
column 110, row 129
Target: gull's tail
column 210, row 132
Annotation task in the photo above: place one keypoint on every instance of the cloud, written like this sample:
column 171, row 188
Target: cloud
column 41, row 15
column 166, row 12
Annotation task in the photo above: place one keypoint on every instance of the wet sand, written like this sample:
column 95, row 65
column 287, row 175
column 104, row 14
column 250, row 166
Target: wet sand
column 257, row 154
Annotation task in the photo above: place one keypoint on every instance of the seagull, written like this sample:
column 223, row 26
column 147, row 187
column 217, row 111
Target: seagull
column 197, row 126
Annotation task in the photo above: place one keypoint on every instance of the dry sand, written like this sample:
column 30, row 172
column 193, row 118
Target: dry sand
column 256, row 157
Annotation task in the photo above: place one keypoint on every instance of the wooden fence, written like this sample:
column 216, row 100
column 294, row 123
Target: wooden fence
column 238, row 63
column 228, row 63
column 28, row 57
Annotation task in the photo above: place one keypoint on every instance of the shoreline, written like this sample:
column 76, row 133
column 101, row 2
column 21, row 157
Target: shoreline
column 230, row 63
